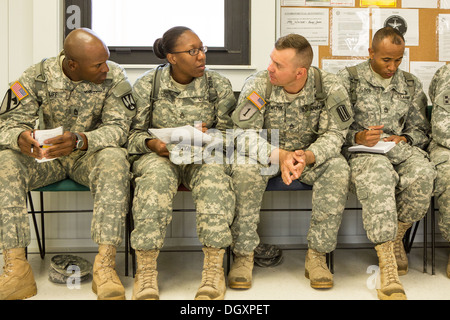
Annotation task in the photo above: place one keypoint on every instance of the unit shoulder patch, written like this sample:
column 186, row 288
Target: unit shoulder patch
column 9, row 103
column 247, row 112
column 129, row 102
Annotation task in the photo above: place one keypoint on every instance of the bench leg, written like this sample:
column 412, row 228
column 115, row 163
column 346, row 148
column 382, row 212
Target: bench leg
column 38, row 238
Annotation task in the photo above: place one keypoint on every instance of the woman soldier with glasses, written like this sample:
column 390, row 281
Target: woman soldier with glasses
column 187, row 94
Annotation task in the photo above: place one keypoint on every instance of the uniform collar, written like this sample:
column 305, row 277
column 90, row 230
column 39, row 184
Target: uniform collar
column 194, row 89
column 398, row 82
column 306, row 96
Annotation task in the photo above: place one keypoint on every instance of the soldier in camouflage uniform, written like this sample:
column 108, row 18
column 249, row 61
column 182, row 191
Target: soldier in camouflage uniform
column 311, row 124
column 440, row 146
column 188, row 93
column 91, row 98
column 394, row 188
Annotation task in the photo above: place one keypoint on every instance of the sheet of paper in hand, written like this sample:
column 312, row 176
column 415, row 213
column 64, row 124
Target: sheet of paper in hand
column 380, row 147
column 187, row 135
column 42, row 135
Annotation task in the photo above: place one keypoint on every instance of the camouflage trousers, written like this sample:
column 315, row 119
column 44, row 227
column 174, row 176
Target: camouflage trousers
column 441, row 158
column 330, row 182
column 156, row 180
column 390, row 193
column 105, row 172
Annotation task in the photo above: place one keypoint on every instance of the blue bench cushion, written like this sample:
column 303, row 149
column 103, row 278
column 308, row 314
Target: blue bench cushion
column 277, row 184
column 63, row 185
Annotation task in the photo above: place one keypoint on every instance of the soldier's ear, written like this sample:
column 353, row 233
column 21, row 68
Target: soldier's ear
column 72, row 64
column 301, row 72
column 171, row 58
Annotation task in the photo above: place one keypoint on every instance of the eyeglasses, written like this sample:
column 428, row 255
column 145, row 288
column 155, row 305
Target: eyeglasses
column 194, row 52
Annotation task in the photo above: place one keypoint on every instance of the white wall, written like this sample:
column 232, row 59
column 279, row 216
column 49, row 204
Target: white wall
column 32, row 29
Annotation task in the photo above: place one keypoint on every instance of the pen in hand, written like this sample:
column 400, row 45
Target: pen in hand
column 370, row 136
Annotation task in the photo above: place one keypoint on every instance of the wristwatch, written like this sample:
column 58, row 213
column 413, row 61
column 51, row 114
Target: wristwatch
column 79, row 142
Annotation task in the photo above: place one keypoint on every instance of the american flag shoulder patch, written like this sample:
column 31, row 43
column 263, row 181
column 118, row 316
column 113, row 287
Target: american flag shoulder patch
column 256, row 100
column 19, row 90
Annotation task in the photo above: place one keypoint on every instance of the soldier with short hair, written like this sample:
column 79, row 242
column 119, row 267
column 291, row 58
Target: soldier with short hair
column 440, row 147
column 308, row 112
column 186, row 94
column 394, row 188
column 91, row 98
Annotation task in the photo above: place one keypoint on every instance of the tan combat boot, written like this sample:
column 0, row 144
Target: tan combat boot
column 316, row 270
column 399, row 248
column 17, row 281
column 145, row 282
column 391, row 288
column 240, row 276
column 213, row 285
column 106, row 283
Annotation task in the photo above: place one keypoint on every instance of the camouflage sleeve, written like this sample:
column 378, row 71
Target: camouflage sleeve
column 440, row 96
column 335, row 119
column 139, row 127
column 226, row 101
column 344, row 78
column 417, row 126
column 118, row 109
column 248, row 120
column 225, row 105
column 22, row 112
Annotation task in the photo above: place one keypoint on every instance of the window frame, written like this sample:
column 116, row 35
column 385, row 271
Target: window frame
column 237, row 36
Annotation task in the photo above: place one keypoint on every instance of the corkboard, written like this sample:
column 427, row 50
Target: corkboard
column 428, row 36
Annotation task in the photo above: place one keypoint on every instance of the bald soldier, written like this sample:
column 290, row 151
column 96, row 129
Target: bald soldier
column 90, row 97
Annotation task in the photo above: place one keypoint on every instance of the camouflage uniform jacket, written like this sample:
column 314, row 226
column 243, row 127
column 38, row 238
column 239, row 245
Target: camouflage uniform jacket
column 303, row 124
column 97, row 110
column 175, row 108
column 440, row 96
column 393, row 107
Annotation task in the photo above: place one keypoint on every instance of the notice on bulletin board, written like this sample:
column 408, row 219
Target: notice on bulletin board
column 379, row 3
column 313, row 24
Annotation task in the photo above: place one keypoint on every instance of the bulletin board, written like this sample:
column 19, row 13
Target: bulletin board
column 428, row 24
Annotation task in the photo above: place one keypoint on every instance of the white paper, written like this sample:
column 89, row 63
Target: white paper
column 380, row 147
column 444, row 37
column 293, row 3
column 41, row 135
column 315, row 62
column 404, row 20
column 312, row 23
column 317, row 3
column 405, row 61
column 342, row 3
column 336, row 65
column 419, row 4
column 445, row 4
column 182, row 135
column 350, row 32
column 425, row 70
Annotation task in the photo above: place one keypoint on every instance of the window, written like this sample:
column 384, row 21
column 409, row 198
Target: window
column 130, row 27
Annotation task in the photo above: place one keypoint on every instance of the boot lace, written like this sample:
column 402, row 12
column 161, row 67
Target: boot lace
column 147, row 272
column 211, row 272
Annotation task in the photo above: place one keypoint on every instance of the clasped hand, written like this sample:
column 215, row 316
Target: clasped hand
column 292, row 164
